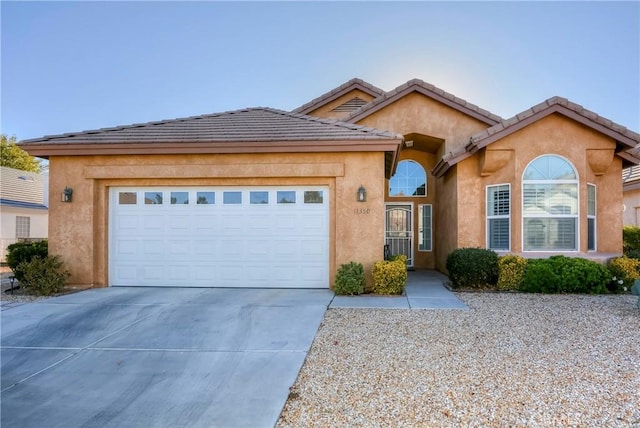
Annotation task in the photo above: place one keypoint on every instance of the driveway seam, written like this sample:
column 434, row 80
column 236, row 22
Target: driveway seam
column 78, row 350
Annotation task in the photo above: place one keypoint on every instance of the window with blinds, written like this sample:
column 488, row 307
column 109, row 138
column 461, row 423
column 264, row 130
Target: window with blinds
column 550, row 205
column 499, row 217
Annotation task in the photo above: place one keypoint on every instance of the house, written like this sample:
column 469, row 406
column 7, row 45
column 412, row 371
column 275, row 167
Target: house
column 263, row 197
column 631, row 196
column 23, row 207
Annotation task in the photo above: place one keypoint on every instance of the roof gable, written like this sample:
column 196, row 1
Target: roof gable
column 627, row 140
column 336, row 93
column 437, row 94
column 555, row 105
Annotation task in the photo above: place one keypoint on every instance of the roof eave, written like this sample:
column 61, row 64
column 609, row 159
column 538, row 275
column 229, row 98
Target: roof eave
column 448, row 161
column 47, row 150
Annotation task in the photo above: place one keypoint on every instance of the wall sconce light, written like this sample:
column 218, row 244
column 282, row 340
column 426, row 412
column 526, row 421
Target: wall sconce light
column 362, row 194
column 67, row 194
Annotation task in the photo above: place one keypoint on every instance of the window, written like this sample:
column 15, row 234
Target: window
column 23, row 227
column 313, row 197
column 424, row 228
column 591, row 217
column 259, row 197
column 409, row 180
column 179, row 198
column 127, row 198
column 550, row 205
column 286, row 197
column 205, row 198
column 499, row 217
column 229, row 198
column 153, row 198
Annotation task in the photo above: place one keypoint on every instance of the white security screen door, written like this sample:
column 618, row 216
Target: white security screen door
column 399, row 230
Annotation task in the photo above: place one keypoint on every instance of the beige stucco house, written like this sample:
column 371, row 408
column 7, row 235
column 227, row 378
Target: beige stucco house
column 263, row 197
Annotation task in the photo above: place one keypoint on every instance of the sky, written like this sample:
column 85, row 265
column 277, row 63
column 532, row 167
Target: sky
column 73, row 66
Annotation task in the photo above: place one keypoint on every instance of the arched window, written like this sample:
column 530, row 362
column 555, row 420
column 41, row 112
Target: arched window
column 410, row 179
column 550, row 205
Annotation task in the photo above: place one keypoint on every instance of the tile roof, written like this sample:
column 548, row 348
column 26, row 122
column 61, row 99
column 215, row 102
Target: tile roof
column 259, row 124
column 333, row 94
column 552, row 105
column 429, row 90
column 21, row 187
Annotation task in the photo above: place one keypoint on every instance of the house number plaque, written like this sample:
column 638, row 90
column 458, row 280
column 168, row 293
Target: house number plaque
column 360, row 211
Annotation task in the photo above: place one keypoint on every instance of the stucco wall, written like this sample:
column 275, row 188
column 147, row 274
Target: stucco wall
column 446, row 211
column 417, row 113
column 79, row 230
column 554, row 134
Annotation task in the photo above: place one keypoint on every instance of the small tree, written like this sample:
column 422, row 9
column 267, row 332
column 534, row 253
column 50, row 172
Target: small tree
column 13, row 156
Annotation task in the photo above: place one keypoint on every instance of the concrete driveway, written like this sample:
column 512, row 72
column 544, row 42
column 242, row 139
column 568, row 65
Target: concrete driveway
column 156, row 357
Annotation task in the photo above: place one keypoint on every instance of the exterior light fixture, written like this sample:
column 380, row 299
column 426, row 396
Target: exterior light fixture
column 67, row 194
column 362, row 194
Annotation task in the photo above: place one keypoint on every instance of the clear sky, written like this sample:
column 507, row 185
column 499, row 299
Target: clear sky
column 72, row 66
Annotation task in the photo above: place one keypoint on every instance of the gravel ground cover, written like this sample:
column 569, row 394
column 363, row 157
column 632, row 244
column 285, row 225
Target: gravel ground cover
column 511, row 360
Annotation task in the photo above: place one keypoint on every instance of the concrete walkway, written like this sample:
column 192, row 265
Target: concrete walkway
column 425, row 290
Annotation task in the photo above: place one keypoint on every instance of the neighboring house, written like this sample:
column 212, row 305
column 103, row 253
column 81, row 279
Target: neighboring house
column 268, row 198
column 631, row 199
column 23, row 207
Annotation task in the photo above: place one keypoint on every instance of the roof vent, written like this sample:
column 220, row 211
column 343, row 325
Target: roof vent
column 351, row 105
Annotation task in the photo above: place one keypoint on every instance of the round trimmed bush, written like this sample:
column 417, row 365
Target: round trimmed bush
column 472, row 268
column 350, row 279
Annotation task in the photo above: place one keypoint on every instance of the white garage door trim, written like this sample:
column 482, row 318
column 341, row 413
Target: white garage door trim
column 276, row 236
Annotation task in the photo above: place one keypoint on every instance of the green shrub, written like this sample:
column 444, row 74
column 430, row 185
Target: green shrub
column 631, row 240
column 390, row 276
column 472, row 267
column 23, row 252
column 350, row 279
column 539, row 277
column 511, row 271
column 43, row 276
column 560, row 274
column 624, row 272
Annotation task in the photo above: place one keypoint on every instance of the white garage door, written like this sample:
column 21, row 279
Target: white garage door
column 219, row 237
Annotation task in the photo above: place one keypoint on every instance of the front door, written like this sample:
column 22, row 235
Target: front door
column 399, row 230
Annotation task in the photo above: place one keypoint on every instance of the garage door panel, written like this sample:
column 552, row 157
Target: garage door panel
column 257, row 242
column 152, row 248
column 153, row 223
column 204, row 248
column 178, row 224
column 127, row 223
column 311, row 248
column 127, row 248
